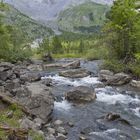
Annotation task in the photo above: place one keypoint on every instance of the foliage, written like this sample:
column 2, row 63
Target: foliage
column 123, row 30
column 87, row 17
column 11, row 122
column 114, row 65
column 121, row 35
column 66, row 45
column 36, row 135
column 13, row 45
column 29, row 27
column 97, row 53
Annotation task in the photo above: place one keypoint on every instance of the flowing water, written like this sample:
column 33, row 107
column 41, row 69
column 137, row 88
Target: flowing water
column 87, row 118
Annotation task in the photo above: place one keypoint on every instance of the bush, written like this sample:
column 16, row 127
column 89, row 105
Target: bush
column 97, row 53
column 114, row 65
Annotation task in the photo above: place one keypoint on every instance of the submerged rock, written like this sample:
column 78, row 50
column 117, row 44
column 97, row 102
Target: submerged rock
column 116, row 117
column 75, row 73
column 112, row 117
column 81, row 94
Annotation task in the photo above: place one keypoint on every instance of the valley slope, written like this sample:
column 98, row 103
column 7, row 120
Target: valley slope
column 29, row 27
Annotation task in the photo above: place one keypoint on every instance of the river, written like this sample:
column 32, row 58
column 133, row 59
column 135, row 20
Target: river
column 87, row 118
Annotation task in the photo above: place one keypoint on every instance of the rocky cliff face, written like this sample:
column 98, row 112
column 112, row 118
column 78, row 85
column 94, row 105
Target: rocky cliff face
column 45, row 10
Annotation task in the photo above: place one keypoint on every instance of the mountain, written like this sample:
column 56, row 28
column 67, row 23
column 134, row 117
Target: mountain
column 51, row 12
column 86, row 17
column 25, row 24
column 45, row 10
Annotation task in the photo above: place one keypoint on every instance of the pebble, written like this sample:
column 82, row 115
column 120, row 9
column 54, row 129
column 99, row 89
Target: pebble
column 82, row 138
column 58, row 122
column 61, row 137
column 10, row 114
column 51, row 130
column 61, row 130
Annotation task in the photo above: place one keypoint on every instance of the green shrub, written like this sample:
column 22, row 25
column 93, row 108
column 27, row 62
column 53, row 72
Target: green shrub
column 97, row 53
column 114, row 65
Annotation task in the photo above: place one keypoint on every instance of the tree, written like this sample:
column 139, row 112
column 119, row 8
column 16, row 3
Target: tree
column 45, row 46
column 12, row 42
column 57, row 46
column 123, row 30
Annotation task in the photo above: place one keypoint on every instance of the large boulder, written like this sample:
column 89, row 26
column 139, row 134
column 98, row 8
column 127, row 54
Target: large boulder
column 72, row 65
column 3, row 75
column 41, row 102
column 105, row 75
column 12, row 84
column 5, row 66
column 30, row 77
column 81, row 94
column 135, row 84
column 114, row 79
column 75, row 73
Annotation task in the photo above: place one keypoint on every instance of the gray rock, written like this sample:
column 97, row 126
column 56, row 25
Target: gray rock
column 81, row 94
column 47, row 82
column 135, row 84
column 82, row 138
column 27, row 124
column 3, row 75
column 72, row 65
column 10, row 114
column 5, row 66
column 21, row 92
column 70, row 124
column 114, row 79
column 119, row 79
column 58, row 122
column 61, row 137
column 51, row 130
column 104, row 75
column 20, row 70
column 61, row 130
column 34, row 67
column 38, row 123
column 13, row 84
column 50, row 137
column 75, row 73
column 41, row 101
column 30, row 77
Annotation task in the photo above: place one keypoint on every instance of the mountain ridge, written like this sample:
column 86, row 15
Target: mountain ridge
column 46, row 10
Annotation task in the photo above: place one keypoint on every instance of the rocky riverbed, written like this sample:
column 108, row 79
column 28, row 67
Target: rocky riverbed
column 72, row 99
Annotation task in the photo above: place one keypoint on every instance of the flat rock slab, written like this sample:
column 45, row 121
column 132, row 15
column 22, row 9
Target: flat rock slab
column 75, row 73
column 39, row 101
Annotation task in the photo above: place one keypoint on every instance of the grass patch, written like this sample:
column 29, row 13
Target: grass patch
column 36, row 136
column 10, row 122
column 68, row 55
